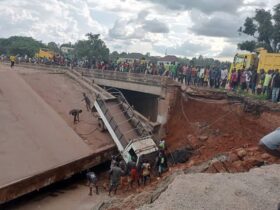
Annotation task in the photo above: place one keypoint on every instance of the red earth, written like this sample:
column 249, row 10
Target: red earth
column 212, row 128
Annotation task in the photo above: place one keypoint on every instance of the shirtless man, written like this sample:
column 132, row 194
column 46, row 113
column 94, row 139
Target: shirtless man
column 76, row 114
column 87, row 101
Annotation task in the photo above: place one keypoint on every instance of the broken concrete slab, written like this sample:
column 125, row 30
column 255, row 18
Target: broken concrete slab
column 34, row 138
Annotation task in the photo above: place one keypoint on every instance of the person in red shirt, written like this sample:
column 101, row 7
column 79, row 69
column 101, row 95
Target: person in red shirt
column 134, row 177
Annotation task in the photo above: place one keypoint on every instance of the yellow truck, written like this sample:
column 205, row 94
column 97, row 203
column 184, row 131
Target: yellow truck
column 45, row 53
column 259, row 60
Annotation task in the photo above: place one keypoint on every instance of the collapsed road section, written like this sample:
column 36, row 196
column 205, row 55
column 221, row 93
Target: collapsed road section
column 37, row 147
column 32, row 138
column 39, row 137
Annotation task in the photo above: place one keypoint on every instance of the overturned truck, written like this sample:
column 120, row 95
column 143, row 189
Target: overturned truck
column 132, row 137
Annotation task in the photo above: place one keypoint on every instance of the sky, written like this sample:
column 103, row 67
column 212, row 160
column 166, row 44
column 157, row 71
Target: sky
column 185, row 28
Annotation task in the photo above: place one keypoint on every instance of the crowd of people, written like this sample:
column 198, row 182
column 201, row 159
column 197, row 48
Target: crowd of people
column 266, row 83
column 242, row 80
column 137, row 66
column 135, row 173
column 56, row 60
column 131, row 173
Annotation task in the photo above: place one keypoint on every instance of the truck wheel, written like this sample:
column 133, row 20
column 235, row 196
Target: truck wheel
column 101, row 125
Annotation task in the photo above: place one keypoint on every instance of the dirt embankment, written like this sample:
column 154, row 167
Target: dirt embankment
column 212, row 127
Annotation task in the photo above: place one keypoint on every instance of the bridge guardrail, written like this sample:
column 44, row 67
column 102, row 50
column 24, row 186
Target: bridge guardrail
column 154, row 80
column 140, row 78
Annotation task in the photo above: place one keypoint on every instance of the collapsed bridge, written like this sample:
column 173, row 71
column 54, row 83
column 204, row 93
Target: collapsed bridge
column 39, row 143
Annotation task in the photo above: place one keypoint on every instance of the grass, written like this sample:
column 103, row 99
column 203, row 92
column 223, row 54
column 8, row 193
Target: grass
column 251, row 95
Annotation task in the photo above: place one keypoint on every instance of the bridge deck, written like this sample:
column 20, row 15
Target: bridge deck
column 63, row 94
column 37, row 146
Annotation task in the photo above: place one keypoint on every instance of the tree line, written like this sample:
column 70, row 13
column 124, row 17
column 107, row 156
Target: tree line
column 91, row 48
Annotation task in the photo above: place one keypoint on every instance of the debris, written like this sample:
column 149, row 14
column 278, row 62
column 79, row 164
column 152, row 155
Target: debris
column 226, row 135
column 241, row 153
column 219, row 166
column 181, row 156
column 265, row 156
column 238, row 165
column 233, row 157
column 203, row 138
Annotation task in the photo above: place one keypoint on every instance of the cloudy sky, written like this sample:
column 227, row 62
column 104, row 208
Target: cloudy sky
column 180, row 27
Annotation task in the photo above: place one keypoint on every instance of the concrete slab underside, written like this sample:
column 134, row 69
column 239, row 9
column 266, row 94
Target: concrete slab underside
column 34, row 138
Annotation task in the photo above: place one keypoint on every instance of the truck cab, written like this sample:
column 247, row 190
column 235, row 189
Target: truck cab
column 140, row 149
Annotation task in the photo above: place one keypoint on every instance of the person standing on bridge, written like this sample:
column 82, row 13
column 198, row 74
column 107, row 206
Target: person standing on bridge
column 275, row 84
column 13, row 60
column 87, row 101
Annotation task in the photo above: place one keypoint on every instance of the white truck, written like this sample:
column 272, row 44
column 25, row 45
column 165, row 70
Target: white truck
column 131, row 137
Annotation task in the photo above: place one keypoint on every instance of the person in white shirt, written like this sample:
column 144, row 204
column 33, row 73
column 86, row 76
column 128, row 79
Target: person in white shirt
column 201, row 76
column 224, row 76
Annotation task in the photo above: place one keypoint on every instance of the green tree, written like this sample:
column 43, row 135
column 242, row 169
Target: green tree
column 184, row 60
column 114, row 56
column 276, row 32
column 19, row 45
column 248, row 45
column 249, row 27
column 69, row 44
column 208, row 62
column 53, row 47
column 93, row 48
column 264, row 28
